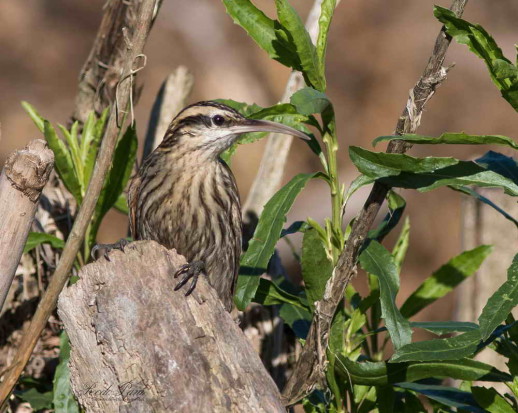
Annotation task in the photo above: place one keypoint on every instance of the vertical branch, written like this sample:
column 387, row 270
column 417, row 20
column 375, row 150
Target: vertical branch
column 25, row 174
column 310, row 367
column 132, row 58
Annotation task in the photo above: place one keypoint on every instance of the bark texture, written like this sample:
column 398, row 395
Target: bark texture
column 24, row 175
column 138, row 346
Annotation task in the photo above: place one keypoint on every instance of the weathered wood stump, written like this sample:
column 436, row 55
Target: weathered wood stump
column 139, row 346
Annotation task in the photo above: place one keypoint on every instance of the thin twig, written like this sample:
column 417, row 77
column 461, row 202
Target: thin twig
column 309, row 370
column 171, row 98
column 60, row 277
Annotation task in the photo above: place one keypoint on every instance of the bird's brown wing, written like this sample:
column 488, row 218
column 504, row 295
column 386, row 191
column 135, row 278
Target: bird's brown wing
column 133, row 192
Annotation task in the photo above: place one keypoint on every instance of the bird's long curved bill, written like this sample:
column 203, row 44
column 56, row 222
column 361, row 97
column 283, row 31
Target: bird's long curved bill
column 255, row 125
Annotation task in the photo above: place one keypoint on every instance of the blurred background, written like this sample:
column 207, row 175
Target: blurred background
column 377, row 52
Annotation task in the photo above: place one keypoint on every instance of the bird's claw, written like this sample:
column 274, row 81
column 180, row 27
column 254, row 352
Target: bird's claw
column 192, row 270
column 119, row 245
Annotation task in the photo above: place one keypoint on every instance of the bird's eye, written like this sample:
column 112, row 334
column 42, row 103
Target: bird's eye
column 218, row 120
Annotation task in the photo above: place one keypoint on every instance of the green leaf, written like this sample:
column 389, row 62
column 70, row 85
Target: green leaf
column 35, row 116
column 502, row 71
column 37, row 400
column 36, row 238
column 117, row 177
column 327, row 10
column 381, row 373
column 305, row 48
column 90, row 141
column 500, row 303
column 401, row 246
column 335, row 348
column 269, row 293
column 63, row 162
column 445, row 327
column 425, row 174
column 445, row 279
column 64, row 401
column 376, row 260
column 468, row 191
column 308, row 101
column 453, row 348
column 121, row 204
column 269, row 34
column 501, row 164
column 491, row 400
column 396, row 204
column 73, row 146
column 297, row 318
column 452, row 139
column 317, row 268
column 449, row 396
column 266, row 235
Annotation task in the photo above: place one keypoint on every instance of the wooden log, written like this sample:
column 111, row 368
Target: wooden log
column 22, row 179
column 139, row 346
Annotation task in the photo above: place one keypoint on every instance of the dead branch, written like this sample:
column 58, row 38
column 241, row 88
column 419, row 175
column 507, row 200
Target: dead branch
column 153, row 348
column 132, row 61
column 24, row 175
column 310, row 367
column 171, row 98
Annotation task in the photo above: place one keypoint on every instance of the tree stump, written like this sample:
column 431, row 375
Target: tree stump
column 139, row 346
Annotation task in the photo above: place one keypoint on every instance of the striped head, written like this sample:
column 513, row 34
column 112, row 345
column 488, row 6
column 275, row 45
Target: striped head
column 210, row 128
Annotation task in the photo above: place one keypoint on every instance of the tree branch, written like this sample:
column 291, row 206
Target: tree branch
column 309, row 370
column 24, row 175
column 133, row 53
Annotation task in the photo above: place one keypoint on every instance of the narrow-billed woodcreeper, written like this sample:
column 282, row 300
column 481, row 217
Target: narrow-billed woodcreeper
column 185, row 197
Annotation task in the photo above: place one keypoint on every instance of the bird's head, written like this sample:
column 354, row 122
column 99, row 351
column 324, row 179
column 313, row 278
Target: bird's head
column 210, row 128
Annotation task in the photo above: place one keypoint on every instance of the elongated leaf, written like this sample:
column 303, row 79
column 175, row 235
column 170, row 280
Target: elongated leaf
column 452, row 139
column 445, row 327
column 396, row 205
column 269, row 293
column 376, row 260
column 36, row 238
column 449, row 396
column 453, row 348
column 335, row 347
column 93, row 135
column 445, row 279
column 401, row 246
column 316, row 266
column 501, row 164
column 491, row 400
column 63, row 162
column 327, row 10
column 64, row 401
column 428, row 173
column 266, row 235
column 269, row 34
column 73, row 147
column 37, row 400
column 117, row 178
column 503, row 73
column 380, row 373
column 500, row 303
column 481, row 198
column 304, row 46
column 38, row 120
column 297, row 318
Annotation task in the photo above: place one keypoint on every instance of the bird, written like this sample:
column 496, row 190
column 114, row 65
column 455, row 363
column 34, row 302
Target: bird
column 184, row 196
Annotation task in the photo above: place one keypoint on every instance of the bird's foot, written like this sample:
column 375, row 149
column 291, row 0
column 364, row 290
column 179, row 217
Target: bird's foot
column 191, row 270
column 119, row 245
